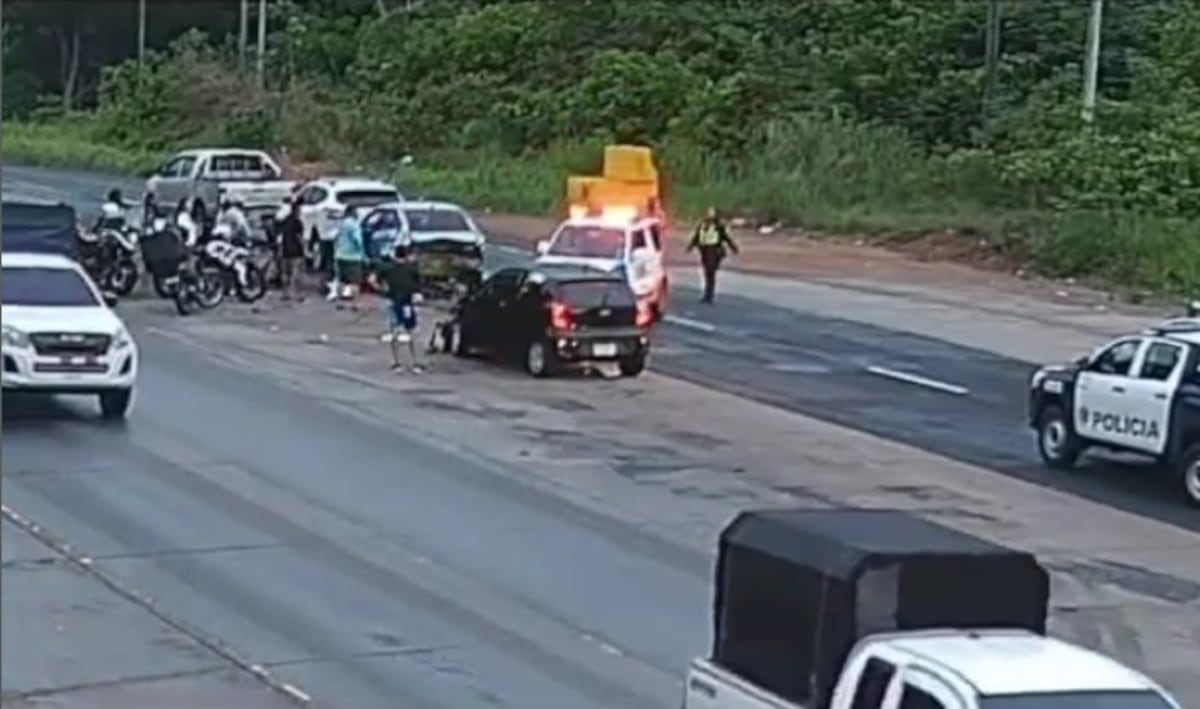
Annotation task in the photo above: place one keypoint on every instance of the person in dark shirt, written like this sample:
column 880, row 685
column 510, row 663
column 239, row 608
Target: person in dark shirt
column 291, row 251
column 397, row 278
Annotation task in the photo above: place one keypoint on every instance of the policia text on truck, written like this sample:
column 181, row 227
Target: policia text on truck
column 877, row 609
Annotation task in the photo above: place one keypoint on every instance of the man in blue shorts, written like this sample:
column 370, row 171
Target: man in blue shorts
column 397, row 279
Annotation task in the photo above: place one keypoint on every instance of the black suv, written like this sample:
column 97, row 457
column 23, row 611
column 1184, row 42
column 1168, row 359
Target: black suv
column 549, row 317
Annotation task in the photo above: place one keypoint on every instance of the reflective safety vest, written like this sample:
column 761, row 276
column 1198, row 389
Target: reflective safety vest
column 709, row 235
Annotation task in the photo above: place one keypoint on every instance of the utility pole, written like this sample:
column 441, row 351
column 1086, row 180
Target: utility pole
column 260, row 68
column 1091, row 64
column 991, row 63
column 141, row 33
column 243, row 33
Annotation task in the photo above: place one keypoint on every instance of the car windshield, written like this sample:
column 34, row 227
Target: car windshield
column 589, row 242
column 45, row 287
column 596, row 293
column 1077, row 700
column 421, row 220
column 367, row 198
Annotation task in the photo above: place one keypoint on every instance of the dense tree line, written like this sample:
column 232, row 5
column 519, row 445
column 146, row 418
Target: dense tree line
column 719, row 83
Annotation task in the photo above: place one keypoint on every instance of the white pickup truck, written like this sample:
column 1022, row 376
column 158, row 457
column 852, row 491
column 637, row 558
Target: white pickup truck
column 211, row 174
column 876, row 609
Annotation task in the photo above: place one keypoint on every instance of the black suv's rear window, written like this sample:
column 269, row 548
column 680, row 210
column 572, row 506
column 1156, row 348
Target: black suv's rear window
column 596, row 292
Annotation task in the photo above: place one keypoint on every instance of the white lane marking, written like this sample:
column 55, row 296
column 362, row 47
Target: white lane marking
column 798, row 368
column 919, row 380
column 688, row 322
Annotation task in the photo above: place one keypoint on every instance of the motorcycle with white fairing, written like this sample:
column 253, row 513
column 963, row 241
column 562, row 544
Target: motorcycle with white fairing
column 232, row 255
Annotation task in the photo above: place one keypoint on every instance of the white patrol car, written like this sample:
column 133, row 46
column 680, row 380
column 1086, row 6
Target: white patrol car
column 323, row 204
column 1139, row 393
column 61, row 335
column 614, row 240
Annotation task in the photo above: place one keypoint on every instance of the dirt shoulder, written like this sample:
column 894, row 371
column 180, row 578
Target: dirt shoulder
column 945, row 258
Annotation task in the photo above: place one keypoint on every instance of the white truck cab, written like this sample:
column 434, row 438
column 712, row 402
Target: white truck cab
column 612, row 240
column 877, row 609
column 208, row 175
column 61, row 335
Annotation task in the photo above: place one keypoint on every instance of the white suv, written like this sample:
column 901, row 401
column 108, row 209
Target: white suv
column 323, row 205
column 61, row 335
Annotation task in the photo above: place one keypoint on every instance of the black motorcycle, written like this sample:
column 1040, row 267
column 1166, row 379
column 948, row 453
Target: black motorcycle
column 119, row 270
column 109, row 257
column 172, row 265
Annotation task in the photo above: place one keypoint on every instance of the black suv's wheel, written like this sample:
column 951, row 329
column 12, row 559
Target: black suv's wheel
column 115, row 404
column 540, row 359
column 1189, row 475
column 1057, row 442
column 633, row 365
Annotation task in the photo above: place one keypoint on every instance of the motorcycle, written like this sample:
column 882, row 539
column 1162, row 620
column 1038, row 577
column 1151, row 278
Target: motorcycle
column 172, row 267
column 235, row 261
column 119, row 272
column 194, row 287
column 108, row 257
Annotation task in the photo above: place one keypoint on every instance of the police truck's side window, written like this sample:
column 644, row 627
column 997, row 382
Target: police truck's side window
column 915, row 698
column 1117, row 359
column 873, row 684
column 1160, row 361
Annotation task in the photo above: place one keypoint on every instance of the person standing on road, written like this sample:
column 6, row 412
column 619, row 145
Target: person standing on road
column 291, row 252
column 398, row 281
column 349, row 255
column 712, row 239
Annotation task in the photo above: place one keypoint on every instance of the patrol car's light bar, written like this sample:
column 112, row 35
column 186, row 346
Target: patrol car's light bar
column 615, row 214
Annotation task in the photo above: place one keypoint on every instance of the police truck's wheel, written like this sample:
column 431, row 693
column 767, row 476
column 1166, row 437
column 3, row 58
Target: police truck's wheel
column 1189, row 475
column 540, row 359
column 1057, row 443
column 115, row 404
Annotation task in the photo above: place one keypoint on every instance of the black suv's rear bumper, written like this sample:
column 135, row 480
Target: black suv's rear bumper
column 599, row 345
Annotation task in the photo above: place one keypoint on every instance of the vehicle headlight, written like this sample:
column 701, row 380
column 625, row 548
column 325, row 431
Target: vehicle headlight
column 121, row 339
column 15, row 338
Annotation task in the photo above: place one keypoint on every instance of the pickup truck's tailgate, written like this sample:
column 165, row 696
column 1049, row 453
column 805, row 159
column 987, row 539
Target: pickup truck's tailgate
column 711, row 687
column 254, row 194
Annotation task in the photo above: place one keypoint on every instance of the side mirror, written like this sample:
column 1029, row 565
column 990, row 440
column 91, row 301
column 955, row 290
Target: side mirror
column 110, row 299
column 1193, row 309
column 543, row 247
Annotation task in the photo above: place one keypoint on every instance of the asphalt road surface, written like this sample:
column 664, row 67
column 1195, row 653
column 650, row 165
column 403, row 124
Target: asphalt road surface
column 363, row 563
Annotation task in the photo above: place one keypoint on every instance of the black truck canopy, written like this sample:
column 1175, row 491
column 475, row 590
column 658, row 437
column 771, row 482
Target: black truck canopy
column 39, row 227
column 796, row 589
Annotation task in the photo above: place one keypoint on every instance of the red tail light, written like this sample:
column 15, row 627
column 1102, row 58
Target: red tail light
column 560, row 316
column 645, row 314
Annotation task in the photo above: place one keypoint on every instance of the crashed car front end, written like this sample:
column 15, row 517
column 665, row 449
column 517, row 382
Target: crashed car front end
column 448, row 266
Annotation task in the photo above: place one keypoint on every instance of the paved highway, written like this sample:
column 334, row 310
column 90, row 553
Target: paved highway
column 352, row 541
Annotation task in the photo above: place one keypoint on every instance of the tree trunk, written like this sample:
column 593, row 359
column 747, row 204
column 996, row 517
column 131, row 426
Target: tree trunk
column 70, row 51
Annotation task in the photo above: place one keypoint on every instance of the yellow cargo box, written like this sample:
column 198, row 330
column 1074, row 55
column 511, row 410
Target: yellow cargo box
column 629, row 163
column 579, row 189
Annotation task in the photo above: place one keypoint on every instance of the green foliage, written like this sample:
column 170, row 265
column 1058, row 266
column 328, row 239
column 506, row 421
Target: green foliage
column 862, row 115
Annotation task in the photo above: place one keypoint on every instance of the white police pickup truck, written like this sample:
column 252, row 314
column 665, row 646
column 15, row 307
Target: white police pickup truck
column 1136, row 394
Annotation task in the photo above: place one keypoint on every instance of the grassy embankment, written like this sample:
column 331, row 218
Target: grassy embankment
column 858, row 182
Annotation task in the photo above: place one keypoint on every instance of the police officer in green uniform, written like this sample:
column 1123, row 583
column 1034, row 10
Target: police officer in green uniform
column 712, row 239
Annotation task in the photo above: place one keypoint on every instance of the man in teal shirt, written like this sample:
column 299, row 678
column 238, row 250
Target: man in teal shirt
column 349, row 255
